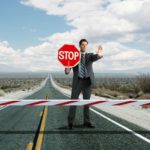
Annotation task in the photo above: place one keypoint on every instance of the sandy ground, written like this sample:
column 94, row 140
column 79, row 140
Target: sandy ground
column 134, row 114
column 21, row 94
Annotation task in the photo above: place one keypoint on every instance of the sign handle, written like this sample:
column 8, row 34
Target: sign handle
column 68, row 63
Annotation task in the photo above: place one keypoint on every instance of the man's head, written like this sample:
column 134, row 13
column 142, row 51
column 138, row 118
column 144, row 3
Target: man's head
column 83, row 43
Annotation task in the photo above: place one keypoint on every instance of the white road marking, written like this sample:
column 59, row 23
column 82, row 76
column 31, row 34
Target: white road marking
column 3, row 107
column 122, row 126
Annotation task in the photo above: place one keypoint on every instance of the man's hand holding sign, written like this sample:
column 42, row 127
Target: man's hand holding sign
column 83, row 75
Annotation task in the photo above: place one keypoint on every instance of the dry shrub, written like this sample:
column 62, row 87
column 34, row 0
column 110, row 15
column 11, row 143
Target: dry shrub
column 143, row 81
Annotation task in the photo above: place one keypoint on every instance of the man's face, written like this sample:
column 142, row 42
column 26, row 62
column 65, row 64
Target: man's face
column 83, row 46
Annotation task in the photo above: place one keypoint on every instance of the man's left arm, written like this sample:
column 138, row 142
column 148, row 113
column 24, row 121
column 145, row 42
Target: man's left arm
column 98, row 55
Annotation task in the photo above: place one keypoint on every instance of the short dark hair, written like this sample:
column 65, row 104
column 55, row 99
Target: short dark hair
column 82, row 40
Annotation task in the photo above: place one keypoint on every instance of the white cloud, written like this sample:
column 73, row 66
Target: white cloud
column 119, row 57
column 32, row 59
column 44, row 58
column 118, row 16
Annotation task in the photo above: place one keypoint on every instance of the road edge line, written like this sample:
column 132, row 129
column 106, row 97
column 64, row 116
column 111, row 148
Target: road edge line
column 122, row 126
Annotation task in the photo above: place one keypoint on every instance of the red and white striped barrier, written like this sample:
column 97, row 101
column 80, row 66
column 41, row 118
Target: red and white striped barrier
column 76, row 102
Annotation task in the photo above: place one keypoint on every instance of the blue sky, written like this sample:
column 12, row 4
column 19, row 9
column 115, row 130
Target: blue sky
column 22, row 26
column 31, row 32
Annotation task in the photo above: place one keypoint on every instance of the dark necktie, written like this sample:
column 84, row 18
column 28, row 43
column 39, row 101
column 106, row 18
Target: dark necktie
column 82, row 66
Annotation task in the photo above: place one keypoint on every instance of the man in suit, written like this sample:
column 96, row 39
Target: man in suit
column 83, row 80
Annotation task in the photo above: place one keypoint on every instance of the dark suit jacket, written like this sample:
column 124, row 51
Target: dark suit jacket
column 89, row 59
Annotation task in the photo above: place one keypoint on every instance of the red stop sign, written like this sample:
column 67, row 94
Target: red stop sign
column 69, row 55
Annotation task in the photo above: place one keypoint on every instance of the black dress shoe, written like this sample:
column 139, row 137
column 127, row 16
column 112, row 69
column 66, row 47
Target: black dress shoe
column 70, row 126
column 88, row 125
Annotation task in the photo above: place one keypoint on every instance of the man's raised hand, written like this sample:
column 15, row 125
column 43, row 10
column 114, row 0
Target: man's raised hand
column 100, row 50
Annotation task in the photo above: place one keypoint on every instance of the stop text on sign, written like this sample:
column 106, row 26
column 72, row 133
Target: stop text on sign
column 68, row 55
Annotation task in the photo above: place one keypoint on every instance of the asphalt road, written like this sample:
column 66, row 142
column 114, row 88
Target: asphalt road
column 20, row 125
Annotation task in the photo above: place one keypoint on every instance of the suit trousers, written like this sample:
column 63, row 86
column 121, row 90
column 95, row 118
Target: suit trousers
column 84, row 86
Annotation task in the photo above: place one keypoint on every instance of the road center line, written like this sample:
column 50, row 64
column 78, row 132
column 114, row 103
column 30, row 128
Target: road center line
column 29, row 146
column 41, row 131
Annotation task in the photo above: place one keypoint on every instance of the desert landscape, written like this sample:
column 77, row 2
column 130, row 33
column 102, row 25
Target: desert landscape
column 115, row 86
column 14, row 82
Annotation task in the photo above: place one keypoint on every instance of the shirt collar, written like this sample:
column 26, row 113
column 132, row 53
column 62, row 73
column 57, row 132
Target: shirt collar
column 83, row 52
